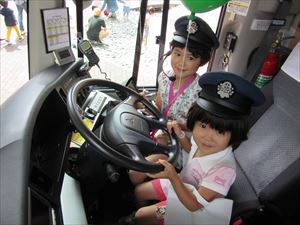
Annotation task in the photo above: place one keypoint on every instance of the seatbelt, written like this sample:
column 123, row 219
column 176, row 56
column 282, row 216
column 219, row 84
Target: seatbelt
column 258, row 58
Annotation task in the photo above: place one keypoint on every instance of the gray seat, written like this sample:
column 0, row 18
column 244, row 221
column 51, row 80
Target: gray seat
column 267, row 187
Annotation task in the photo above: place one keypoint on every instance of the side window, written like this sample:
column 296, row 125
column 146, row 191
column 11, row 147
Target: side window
column 13, row 46
column 112, row 30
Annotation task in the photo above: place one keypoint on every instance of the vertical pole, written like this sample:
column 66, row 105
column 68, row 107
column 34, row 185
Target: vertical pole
column 163, row 31
column 139, row 38
column 79, row 20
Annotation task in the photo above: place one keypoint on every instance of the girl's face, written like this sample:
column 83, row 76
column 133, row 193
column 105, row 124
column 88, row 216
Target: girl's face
column 183, row 62
column 209, row 140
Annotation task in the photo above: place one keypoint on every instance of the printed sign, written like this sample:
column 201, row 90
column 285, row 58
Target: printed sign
column 239, row 7
column 56, row 28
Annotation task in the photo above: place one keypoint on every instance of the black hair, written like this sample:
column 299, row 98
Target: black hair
column 238, row 127
column 195, row 48
column 4, row 3
column 151, row 10
column 93, row 7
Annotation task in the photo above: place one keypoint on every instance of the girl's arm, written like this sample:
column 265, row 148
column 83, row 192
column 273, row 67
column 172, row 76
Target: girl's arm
column 186, row 197
column 158, row 100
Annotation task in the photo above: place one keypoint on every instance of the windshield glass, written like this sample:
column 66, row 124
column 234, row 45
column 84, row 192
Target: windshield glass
column 116, row 45
column 116, row 48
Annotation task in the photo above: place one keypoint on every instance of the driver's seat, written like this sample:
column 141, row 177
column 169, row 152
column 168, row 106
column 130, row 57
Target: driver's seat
column 267, row 187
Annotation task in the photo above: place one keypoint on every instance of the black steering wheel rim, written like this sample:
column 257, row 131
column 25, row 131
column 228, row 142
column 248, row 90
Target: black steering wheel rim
column 103, row 148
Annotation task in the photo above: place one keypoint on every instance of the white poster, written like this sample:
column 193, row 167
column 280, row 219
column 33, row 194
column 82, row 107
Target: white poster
column 56, row 28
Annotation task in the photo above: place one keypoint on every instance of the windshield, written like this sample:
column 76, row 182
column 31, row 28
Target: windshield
column 116, row 50
column 117, row 47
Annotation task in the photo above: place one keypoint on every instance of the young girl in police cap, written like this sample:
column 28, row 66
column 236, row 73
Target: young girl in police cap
column 218, row 121
column 191, row 47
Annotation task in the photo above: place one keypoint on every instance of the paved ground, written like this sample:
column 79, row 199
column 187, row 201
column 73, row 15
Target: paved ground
column 14, row 68
column 13, row 61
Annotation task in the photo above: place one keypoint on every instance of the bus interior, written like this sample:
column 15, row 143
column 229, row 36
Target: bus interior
column 67, row 135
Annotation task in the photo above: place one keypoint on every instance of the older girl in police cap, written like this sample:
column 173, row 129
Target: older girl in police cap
column 191, row 47
column 218, row 121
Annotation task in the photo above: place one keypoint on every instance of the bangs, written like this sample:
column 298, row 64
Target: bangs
column 216, row 123
column 195, row 48
column 196, row 113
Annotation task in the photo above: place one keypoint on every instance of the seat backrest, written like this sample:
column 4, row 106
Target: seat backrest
column 268, row 172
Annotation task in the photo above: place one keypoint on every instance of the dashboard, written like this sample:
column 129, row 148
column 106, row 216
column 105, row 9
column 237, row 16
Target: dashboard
column 36, row 133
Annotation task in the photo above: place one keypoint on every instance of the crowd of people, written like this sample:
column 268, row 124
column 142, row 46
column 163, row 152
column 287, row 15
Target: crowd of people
column 97, row 30
column 110, row 7
column 10, row 19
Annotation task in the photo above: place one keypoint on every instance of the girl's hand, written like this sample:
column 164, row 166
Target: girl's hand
column 169, row 172
column 172, row 124
column 140, row 105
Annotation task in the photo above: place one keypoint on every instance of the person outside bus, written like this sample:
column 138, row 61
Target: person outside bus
column 10, row 21
column 218, row 121
column 112, row 7
column 148, row 18
column 21, row 5
column 178, row 88
column 126, row 8
column 97, row 30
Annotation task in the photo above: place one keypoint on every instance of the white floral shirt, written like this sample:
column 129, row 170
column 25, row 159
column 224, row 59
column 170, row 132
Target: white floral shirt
column 183, row 102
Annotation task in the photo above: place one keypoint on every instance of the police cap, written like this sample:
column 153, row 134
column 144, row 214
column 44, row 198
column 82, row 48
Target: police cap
column 198, row 31
column 228, row 95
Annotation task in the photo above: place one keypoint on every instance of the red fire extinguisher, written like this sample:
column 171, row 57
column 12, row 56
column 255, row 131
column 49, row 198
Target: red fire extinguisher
column 268, row 69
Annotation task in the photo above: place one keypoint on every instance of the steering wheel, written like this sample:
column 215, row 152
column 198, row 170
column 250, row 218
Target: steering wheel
column 125, row 133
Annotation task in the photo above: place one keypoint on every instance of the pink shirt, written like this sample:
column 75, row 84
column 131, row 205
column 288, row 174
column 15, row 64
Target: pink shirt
column 215, row 171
